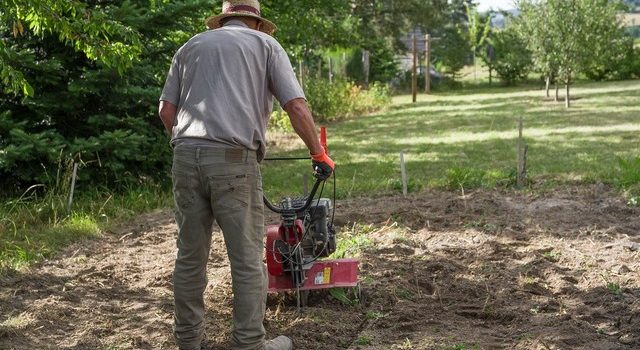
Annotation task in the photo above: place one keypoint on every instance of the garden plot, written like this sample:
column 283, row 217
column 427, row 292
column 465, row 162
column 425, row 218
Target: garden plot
column 488, row 270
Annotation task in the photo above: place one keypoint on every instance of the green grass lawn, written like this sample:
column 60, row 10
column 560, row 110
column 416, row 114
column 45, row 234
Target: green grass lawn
column 33, row 228
column 468, row 138
column 458, row 139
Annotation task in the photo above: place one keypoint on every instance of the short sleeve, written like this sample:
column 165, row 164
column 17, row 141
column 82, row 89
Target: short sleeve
column 282, row 80
column 171, row 90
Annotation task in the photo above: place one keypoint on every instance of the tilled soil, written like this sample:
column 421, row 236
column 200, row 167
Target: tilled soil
column 488, row 270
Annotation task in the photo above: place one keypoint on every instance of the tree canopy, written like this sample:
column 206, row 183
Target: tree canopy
column 90, row 86
column 85, row 26
column 81, row 78
column 568, row 37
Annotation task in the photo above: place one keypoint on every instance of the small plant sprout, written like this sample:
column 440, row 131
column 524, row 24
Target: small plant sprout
column 364, row 339
column 552, row 255
column 402, row 293
column 614, row 288
column 406, row 345
column 374, row 315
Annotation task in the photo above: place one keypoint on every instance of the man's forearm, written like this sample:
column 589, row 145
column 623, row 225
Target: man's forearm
column 168, row 112
column 303, row 124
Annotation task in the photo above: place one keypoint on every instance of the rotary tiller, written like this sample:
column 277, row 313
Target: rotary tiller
column 295, row 247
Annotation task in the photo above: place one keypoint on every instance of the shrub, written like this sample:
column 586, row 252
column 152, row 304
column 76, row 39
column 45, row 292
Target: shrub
column 512, row 60
column 327, row 101
column 343, row 99
column 620, row 61
column 367, row 101
column 629, row 65
column 280, row 121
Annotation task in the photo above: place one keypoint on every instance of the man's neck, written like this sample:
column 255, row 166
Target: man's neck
column 247, row 22
column 236, row 22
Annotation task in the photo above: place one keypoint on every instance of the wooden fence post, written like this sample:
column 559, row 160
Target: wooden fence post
column 73, row 185
column 403, row 172
column 521, row 171
column 414, row 71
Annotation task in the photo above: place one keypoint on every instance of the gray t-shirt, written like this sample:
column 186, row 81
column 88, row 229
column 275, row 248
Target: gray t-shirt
column 223, row 82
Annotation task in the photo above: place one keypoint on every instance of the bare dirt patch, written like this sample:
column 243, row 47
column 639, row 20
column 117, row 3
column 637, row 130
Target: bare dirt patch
column 490, row 270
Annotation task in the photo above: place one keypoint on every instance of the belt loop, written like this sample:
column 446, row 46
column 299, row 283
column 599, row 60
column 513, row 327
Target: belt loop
column 198, row 155
column 246, row 156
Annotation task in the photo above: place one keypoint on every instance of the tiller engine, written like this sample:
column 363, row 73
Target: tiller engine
column 295, row 247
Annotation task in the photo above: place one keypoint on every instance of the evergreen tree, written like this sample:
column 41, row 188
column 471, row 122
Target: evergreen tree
column 100, row 111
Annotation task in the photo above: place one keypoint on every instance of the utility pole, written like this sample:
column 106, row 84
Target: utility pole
column 414, row 75
column 365, row 67
column 427, row 57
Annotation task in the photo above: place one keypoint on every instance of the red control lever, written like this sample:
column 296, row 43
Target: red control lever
column 323, row 139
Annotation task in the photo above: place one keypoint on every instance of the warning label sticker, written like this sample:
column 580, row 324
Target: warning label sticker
column 323, row 277
column 319, row 278
column 327, row 275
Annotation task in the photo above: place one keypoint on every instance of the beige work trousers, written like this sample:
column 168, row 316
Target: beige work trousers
column 224, row 185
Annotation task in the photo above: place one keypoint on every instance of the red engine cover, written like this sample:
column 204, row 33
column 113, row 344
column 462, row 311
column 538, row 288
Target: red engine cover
column 295, row 233
column 275, row 261
column 274, row 258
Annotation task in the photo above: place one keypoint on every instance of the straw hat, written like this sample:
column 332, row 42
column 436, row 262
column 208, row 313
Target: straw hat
column 244, row 8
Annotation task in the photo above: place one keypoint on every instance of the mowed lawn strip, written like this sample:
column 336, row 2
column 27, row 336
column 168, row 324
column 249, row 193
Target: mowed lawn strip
column 468, row 139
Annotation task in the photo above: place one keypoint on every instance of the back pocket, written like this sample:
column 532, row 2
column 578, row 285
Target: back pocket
column 230, row 191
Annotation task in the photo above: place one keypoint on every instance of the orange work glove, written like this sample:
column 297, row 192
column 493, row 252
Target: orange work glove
column 322, row 165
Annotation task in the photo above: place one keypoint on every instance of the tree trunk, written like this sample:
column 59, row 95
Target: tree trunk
column 490, row 75
column 557, row 91
column 568, row 98
column 475, row 72
column 548, row 84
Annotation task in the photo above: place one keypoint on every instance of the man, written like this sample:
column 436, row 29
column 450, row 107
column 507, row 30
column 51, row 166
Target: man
column 216, row 103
